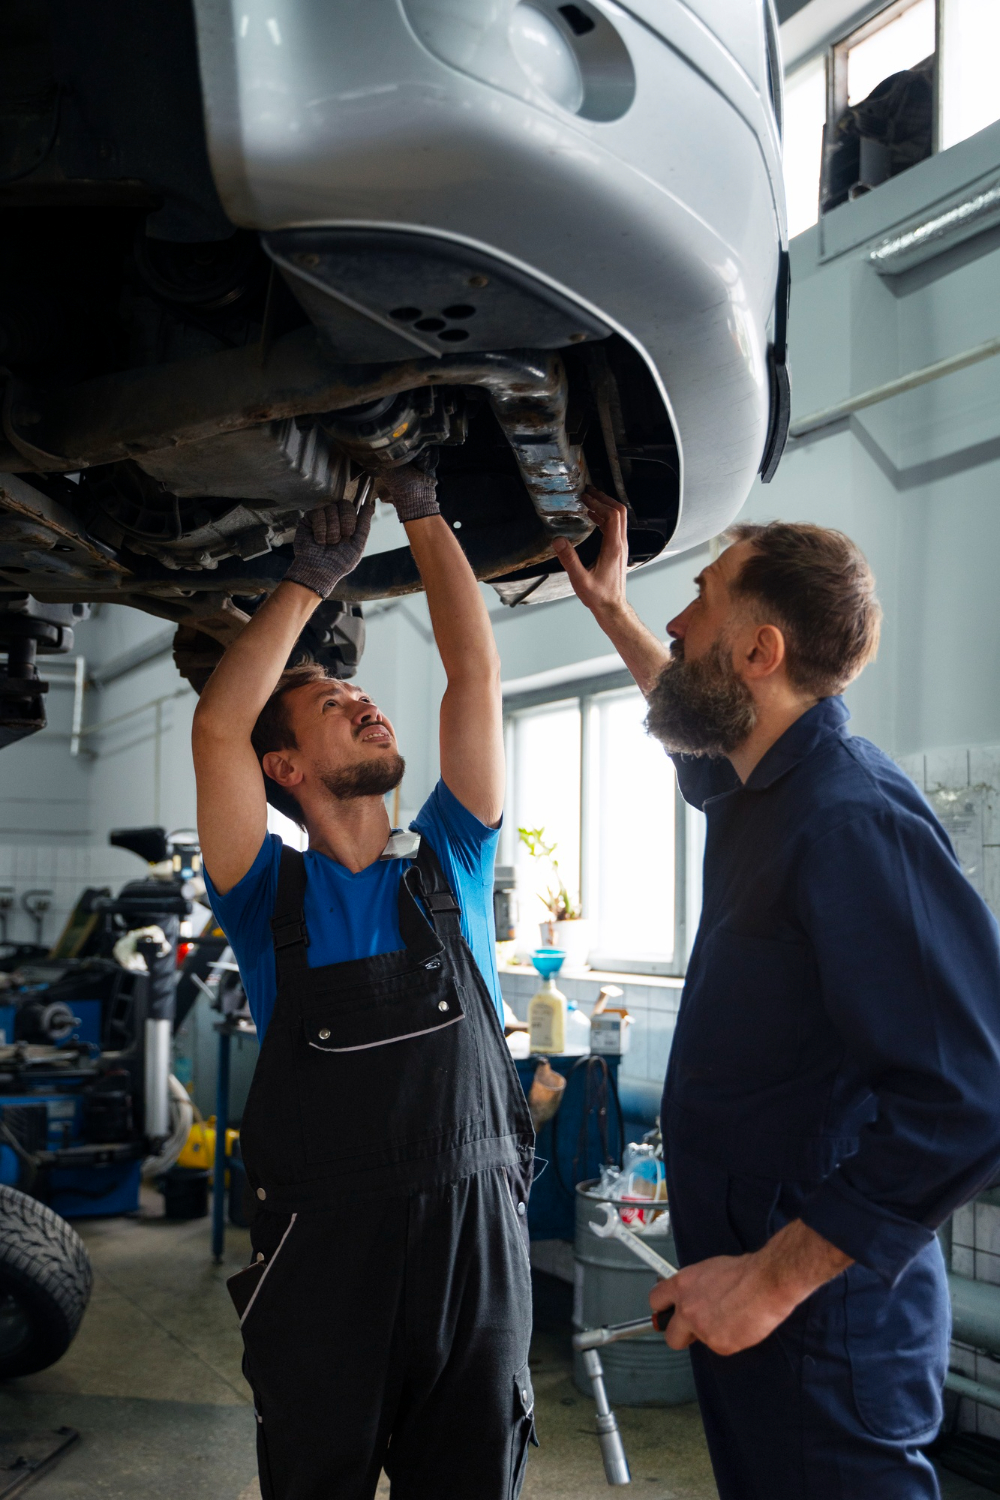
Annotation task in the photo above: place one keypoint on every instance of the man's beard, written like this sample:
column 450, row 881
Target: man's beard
column 701, row 707
column 370, row 778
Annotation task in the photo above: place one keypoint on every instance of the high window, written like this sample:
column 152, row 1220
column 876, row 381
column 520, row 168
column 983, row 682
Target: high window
column 582, row 769
column 943, row 58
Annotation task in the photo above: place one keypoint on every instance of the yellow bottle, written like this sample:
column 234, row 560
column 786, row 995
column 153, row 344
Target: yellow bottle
column 547, row 1019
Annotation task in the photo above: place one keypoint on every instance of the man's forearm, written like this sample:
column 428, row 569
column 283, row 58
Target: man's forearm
column 459, row 618
column 640, row 650
column 248, row 672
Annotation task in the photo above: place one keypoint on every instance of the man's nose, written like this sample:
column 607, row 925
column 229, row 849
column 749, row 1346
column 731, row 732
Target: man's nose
column 677, row 627
column 367, row 713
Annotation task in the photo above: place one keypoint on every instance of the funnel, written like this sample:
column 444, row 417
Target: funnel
column 548, row 961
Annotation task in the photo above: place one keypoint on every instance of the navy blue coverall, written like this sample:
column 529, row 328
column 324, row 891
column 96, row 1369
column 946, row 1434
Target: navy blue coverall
column 836, row 1059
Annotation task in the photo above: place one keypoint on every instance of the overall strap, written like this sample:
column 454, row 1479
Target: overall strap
column 436, row 893
column 288, row 924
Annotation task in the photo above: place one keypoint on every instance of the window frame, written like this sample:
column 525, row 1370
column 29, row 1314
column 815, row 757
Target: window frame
column 583, row 691
column 834, row 52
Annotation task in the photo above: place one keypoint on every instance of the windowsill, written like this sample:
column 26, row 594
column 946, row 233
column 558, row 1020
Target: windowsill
column 910, row 195
column 603, row 976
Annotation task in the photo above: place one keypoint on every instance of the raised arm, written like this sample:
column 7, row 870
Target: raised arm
column 602, row 589
column 472, row 759
column 232, row 807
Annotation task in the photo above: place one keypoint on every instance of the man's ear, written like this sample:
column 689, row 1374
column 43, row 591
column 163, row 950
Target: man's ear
column 280, row 769
column 767, row 652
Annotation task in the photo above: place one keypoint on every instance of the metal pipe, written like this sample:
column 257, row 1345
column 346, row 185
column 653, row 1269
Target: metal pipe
column 989, row 1395
column 79, row 684
column 975, row 1312
column 128, row 415
column 829, row 415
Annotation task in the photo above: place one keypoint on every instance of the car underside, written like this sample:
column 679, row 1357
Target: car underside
column 179, row 390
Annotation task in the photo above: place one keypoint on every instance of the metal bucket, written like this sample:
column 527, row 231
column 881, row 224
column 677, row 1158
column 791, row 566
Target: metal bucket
column 611, row 1286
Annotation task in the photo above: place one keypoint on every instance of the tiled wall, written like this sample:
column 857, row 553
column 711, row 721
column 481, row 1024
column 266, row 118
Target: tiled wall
column 963, row 786
column 64, row 868
column 652, row 1002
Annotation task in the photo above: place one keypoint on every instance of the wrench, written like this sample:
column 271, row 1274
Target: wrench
column 613, row 1228
column 589, row 1340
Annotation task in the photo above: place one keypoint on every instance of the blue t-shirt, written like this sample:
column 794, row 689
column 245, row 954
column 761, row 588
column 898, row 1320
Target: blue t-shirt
column 355, row 916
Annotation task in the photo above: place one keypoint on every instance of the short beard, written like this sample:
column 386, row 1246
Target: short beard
column 371, row 778
column 701, row 707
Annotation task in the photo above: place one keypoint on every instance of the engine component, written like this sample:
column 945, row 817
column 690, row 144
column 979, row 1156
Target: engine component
column 45, row 1022
column 278, row 461
column 28, row 628
column 379, row 294
column 208, row 276
column 394, row 429
column 153, row 414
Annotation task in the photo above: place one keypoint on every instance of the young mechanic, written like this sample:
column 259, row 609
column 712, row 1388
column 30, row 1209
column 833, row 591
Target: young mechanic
column 386, row 1136
column 833, row 1092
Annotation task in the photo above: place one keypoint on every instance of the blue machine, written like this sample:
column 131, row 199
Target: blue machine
column 85, row 1042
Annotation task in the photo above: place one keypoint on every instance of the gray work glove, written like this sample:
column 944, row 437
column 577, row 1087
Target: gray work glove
column 412, row 489
column 328, row 544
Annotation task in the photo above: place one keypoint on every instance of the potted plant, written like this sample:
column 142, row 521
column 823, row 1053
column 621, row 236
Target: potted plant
column 564, row 927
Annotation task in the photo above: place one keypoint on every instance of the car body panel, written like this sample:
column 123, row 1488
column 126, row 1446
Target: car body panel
column 321, row 115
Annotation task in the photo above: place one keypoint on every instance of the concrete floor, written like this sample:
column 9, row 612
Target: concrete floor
column 153, row 1383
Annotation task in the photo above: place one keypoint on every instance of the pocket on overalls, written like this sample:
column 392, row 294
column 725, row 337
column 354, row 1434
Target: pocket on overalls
column 524, row 1429
column 897, row 1343
column 387, row 1064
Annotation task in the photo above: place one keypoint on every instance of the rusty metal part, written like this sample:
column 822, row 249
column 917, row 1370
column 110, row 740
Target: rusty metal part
column 138, row 412
column 50, row 540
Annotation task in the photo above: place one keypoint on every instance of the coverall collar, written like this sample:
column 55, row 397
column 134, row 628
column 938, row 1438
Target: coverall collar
column 800, row 739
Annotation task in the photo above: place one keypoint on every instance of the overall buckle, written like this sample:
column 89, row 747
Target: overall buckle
column 286, row 931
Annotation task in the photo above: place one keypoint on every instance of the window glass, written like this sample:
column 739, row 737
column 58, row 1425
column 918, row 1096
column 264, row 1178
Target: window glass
column 288, row 832
column 633, row 845
column 900, row 44
column 547, row 745
column 970, row 90
column 805, row 116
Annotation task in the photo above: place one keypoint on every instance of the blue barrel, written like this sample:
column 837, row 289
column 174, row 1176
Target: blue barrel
column 612, row 1286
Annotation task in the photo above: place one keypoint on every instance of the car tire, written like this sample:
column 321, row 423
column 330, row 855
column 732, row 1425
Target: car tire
column 45, row 1281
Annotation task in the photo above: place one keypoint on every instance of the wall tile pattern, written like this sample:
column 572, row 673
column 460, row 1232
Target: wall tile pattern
column 963, row 786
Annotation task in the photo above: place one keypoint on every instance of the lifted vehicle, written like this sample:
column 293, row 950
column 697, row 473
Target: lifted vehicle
column 254, row 255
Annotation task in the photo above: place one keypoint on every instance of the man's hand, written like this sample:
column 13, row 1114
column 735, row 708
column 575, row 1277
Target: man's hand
column 412, row 489
column 328, row 544
column 601, row 587
column 732, row 1302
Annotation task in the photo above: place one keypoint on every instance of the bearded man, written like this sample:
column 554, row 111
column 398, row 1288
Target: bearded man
column 833, row 1092
column 387, row 1314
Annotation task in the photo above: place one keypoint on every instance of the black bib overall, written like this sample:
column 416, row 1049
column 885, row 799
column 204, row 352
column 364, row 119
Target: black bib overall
column 389, row 1146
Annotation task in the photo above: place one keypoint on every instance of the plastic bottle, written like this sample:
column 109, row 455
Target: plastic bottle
column 547, row 1019
column 577, row 1031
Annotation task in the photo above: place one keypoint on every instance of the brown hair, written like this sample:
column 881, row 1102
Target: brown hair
column 816, row 586
column 273, row 731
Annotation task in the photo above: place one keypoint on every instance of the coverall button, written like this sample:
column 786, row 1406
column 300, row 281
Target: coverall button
column 442, row 1005
column 324, row 1034
column 520, row 1208
column 261, row 1194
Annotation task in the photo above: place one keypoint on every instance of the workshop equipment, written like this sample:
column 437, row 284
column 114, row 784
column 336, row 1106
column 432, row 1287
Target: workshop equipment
column 587, row 1341
column 612, row 1290
column 586, row 1133
column 505, row 902
column 85, row 1088
column 609, row 1024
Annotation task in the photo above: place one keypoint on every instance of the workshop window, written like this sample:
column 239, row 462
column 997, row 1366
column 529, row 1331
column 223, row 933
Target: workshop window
column 583, row 769
column 943, row 57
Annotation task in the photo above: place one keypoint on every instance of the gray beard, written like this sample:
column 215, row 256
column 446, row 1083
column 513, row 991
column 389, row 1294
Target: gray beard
column 371, row 778
column 701, row 707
